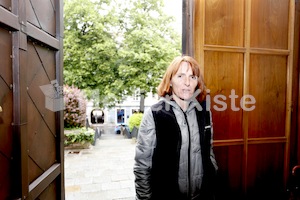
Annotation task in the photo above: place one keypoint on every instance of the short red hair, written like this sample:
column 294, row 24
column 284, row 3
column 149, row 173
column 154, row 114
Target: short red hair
column 164, row 86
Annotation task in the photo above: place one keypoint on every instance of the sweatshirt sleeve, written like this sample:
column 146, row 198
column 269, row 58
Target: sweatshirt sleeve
column 146, row 142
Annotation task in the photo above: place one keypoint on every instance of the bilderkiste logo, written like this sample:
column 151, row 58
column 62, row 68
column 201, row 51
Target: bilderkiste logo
column 54, row 100
column 247, row 102
column 53, row 92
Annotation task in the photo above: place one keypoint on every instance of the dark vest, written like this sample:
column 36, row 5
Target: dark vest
column 165, row 162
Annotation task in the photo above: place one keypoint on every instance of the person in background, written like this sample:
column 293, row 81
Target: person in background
column 174, row 157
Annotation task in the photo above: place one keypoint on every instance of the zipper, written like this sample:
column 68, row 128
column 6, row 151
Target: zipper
column 189, row 155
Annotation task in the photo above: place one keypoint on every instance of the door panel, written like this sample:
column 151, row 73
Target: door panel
column 230, row 182
column 220, row 19
column 246, row 46
column 267, row 83
column 31, row 135
column 6, row 4
column 265, row 171
column 226, row 74
column 42, row 15
column 6, row 118
column 269, row 24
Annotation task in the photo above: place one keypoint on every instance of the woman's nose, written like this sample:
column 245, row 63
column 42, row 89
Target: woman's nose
column 187, row 81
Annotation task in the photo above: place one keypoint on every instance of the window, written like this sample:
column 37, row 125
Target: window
column 120, row 116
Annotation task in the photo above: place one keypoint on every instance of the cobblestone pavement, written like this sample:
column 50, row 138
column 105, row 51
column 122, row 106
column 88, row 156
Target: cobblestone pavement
column 102, row 172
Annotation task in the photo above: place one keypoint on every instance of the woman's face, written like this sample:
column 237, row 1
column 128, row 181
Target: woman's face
column 184, row 82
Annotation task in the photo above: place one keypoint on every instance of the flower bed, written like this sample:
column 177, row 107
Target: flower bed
column 79, row 138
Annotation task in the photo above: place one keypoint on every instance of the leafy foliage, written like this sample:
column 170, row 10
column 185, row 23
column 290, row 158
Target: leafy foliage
column 75, row 107
column 150, row 44
column 81, row 135
column 112, row 48
column 89, row 46
column 135, row 120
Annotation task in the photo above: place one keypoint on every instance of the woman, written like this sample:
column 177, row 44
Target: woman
column 174, row 155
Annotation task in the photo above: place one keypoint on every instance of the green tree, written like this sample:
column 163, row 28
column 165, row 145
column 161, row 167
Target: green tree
column 90, row 49
column 111, row 48
column 150, row 43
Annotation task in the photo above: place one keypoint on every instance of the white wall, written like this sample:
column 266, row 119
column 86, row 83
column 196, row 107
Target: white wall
column 110, row 115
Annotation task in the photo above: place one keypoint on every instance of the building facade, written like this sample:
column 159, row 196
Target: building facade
column 120, row 113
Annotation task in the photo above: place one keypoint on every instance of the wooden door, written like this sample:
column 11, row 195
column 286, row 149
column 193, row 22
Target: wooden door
column 245, row 49
column 31, row 134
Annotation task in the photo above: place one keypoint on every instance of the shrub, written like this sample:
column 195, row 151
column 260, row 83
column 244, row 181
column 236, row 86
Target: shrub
column 135, row 120
column 75, row 107
column 81, row 135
